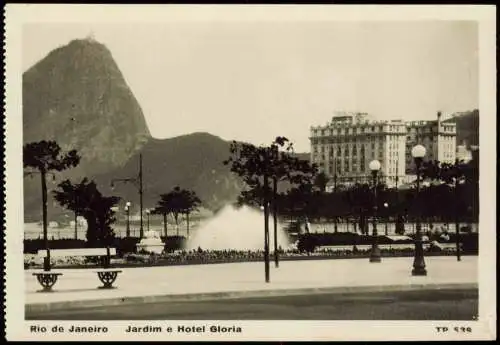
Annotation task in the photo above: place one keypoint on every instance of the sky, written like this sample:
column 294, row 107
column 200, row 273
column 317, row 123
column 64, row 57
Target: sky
column 256, row 80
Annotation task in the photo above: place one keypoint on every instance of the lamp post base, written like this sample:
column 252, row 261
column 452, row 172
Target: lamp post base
column 419, row 267
column 46, row 264
column 375, row 254
column 418, row 262
column 419, row 271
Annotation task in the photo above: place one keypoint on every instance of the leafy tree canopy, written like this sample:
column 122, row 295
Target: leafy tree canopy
column 177, row 201
column 46, row 156
column 256, row 163
column 85, row 199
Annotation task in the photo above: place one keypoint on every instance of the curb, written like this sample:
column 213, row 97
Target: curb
column 206, row 296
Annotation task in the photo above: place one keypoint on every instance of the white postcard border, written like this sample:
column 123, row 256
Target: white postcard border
column 18, row 329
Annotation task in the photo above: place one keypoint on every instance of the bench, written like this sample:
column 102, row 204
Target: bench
column 47, row 279
column 106, row 275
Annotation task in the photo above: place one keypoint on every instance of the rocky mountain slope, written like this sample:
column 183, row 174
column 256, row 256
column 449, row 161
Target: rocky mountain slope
column 77, row 96
column 467, row 127
column 193, row 161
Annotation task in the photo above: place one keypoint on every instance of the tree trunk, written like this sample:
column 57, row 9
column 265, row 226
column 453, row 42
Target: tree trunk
column 275, row 222
column 457, row 221
column 360, row 223
column 187, row 223
column 76, row 226
column 457, row 237
column 46, row 264
column 266, row 228
column 165, row 225
column 92, row 228
column 176, row 216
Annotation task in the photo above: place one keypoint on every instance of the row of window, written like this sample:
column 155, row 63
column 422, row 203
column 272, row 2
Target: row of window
column 449, row 155
column 341, row 148
column 430, row 135
column 380, row 128
column 393, row 153
column 449, row 129
column 449, row 138
column 393, row 166
column 322, row 157
column 394, row 146
column 350, row 141
column 393, row 137
column 354, row 130
column 354, row 168
column 347, row 154
column 355, row 145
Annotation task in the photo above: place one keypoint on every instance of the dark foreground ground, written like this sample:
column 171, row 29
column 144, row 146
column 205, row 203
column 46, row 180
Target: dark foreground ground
column 456, row 304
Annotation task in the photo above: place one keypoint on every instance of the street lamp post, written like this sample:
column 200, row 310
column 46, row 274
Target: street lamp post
column 386, row 207
column 137, row 181
column 374, row 167
column 127, row 210
column 148, row 212
column 335, row 193
column 457, row 222
column 418, row 153
column 76, row 216
column 265, row 208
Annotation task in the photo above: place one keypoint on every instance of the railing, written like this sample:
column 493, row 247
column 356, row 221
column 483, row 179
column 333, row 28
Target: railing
column 120, row 230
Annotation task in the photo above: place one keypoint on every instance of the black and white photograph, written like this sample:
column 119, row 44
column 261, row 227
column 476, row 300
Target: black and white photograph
column 198, row 172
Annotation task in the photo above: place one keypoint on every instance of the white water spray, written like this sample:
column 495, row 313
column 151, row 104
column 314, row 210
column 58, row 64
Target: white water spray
column 238, row 229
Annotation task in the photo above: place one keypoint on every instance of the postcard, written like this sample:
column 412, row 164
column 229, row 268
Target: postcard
column 250, row 172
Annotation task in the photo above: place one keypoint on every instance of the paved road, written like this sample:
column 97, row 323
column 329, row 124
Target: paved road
column 456, row 304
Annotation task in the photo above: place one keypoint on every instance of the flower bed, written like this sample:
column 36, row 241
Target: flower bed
column 196, row 257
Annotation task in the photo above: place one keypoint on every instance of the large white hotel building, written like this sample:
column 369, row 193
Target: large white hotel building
column 344, row 147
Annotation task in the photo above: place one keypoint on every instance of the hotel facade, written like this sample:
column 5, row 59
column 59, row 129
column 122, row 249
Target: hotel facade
column 344, row 147
column 438, row 138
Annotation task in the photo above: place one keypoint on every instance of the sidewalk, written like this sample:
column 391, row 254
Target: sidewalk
column 78, row 287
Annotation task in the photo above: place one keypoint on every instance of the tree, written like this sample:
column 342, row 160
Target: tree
column 463, row 178
column 285, row 167
column 321, row 181
column 299, row 201
column 251, row 197
column 360, row 199
column 191, row 203
column 307, row 243
column 85, row 199
column 164, row 207
column 177, row 205
column 333, row 206
column 253, row 164
column 260, row 166
column 390, row 206
column 177, row 202
column 46, row 157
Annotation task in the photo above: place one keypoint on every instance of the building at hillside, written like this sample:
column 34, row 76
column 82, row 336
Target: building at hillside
column 438, row 138
column 344, row 148
column 463, row 153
